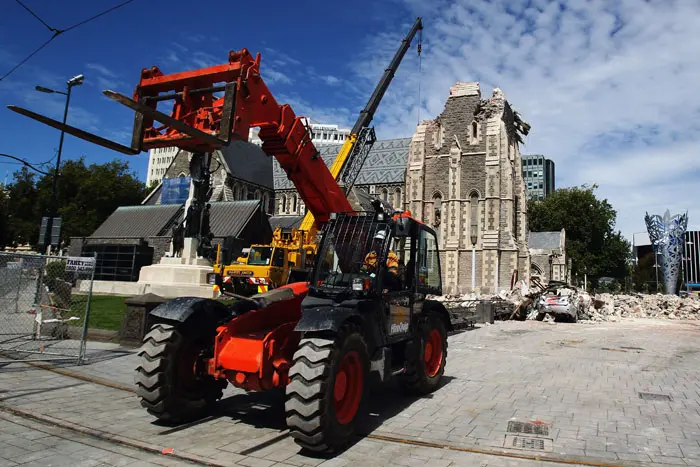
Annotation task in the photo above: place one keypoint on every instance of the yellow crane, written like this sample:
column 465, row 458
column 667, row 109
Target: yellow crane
column 290, row 255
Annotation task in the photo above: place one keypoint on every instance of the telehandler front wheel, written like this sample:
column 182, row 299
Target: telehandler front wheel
column 425, row 359
column 170, row 382
column 327, row 388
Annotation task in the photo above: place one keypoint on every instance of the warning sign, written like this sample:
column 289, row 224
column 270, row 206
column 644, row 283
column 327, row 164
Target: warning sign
column 79, row 264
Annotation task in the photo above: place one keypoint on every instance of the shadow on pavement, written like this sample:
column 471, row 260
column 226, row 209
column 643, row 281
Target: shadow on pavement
column 13, row 358
column 266, row 410
column 31, row 392
column 257, row 409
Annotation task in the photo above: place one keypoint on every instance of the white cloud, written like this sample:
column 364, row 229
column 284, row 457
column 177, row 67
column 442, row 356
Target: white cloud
column 317, row 114
column 104, row 78
column 607, row 86
column 101, row 69
column 331, row 80
column 272, row 76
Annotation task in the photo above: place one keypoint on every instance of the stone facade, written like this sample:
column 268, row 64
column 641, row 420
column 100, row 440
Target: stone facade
column 288, row 202
column 464, row 178
column 227, row 184
column 548, row 256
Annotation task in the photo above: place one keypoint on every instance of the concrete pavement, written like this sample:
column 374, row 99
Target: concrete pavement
column 516, row 393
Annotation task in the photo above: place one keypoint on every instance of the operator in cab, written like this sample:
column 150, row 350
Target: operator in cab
column 392, row 261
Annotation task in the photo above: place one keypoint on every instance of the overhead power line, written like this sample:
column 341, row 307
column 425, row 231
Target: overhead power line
column 56, row 32
column 36, row 16
column 22, row 161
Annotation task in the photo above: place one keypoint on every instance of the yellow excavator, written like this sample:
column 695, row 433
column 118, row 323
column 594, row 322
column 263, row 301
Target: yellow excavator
column 291, row 253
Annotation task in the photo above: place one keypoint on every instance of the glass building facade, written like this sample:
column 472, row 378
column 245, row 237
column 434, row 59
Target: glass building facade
column 538, row 176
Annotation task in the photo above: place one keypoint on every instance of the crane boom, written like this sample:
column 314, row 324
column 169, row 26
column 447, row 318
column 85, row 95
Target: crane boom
column 367, row 114
column 353, row 153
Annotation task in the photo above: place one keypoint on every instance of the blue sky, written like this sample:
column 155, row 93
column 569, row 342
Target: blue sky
column 610, row 88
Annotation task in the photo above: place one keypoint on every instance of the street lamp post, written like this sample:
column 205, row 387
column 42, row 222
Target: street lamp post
column 53, row 208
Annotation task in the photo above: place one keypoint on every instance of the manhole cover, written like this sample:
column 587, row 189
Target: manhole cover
column 528, row 443
column 650, row 396
column 528, row 428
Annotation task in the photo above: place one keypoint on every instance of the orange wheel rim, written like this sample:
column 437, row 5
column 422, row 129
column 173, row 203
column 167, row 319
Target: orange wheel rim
column 432, row 356
column 347, row 388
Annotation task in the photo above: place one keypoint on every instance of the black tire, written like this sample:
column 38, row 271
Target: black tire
column 310, row 405
column 417, row 378
column 165, row 376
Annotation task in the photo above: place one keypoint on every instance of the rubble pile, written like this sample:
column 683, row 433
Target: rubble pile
column 608, row 307
column 528, row 304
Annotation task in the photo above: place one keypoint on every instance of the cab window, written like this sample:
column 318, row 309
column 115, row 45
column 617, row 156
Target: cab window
column 278, row 258
column 428, row 264
column 259, row 256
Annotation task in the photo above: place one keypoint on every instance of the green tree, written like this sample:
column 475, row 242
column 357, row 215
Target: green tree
column 23, row 223
column 86, row 196
column 644, row 274
column 592, row 243
column 152, row 186
column 5, row 232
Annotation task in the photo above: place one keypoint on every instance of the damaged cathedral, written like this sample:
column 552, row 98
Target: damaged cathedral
column 464, row 178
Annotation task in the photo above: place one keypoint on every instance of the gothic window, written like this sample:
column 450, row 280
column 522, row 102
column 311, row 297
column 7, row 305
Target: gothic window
column 294, row 203
column 474, row 221
column 398, row 198
column 284, row 204
column 257, row 194
column 474, row 133
column 385, row 194
column 437, row 208
column 438, row 136
column 244, row 193
column 266, row 203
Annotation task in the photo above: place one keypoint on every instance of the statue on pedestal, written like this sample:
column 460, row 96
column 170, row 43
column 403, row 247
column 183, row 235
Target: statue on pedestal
column 195, row 223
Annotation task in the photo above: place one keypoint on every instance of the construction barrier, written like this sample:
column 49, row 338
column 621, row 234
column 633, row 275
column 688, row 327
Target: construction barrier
column 43, row 316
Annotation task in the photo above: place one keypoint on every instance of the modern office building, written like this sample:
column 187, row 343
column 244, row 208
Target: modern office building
column 538, row 176
column 321, row 134
column 159, row 160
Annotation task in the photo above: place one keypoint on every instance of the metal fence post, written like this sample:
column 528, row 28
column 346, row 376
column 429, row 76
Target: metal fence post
column 83, row 338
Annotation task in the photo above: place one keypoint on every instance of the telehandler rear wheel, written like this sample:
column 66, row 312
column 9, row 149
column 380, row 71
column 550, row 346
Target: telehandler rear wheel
column 171, row 384
column 326, row 392
column 425, row 361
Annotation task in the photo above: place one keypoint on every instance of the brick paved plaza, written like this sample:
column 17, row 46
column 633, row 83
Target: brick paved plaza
column 588, row 394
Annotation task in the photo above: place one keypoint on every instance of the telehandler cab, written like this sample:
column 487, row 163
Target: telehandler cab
column 359, row 316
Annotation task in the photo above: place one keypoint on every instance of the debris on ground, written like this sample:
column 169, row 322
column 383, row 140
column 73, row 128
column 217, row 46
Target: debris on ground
column 561, row 302
column 613, row 307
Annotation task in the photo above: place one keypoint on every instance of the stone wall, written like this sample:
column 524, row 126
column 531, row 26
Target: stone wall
column 285, row 199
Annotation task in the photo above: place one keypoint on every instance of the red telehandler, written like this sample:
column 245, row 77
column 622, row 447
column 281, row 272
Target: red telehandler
column 359, row 315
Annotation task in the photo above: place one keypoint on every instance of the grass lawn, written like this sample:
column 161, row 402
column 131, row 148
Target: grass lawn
column 106, row 311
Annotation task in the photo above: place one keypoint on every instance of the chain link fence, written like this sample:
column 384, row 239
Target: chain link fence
column 43, row 315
